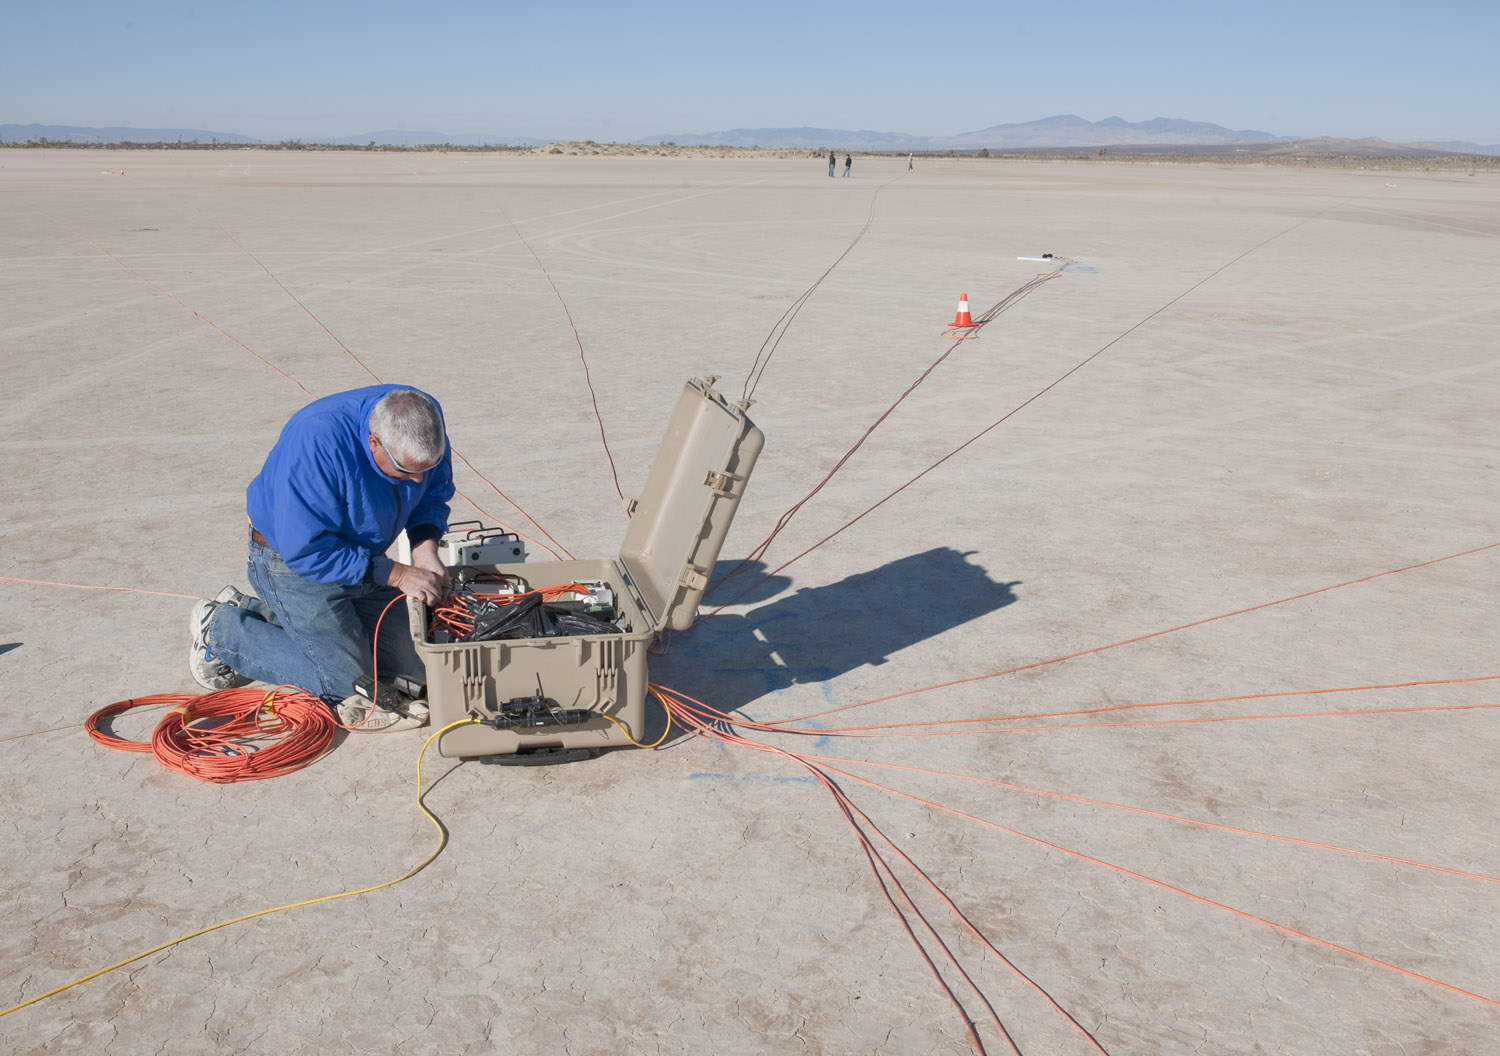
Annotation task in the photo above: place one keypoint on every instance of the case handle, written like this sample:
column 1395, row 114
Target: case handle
column 721, row 483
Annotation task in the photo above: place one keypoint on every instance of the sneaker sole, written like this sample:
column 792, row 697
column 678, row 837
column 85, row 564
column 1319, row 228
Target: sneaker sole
column 210, row 674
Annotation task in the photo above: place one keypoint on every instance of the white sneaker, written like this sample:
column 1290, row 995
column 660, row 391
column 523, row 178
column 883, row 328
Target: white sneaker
column 230, row 596
column 353, row 710
column 208, row 672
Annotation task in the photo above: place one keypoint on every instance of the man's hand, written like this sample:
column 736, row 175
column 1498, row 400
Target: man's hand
column 420, row 583
column 425, row 555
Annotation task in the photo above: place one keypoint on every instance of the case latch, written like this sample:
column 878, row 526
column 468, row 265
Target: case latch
column 722, row 483
column 693, row 579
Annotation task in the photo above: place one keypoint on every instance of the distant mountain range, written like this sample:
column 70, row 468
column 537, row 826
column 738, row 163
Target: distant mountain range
column 76, row 134
column 386, row 138
column 1064, row 130
column 1060, row 132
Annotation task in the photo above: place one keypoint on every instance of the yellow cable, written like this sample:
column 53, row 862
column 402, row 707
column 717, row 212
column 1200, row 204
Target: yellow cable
column 663, row 737
column 442, row 842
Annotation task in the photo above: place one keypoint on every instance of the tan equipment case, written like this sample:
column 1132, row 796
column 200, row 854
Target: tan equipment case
column 677, row 528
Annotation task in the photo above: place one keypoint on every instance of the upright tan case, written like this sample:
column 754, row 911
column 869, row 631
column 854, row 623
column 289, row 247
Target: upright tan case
column 677, row 528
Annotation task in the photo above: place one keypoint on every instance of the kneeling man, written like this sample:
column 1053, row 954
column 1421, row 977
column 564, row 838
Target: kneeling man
column 347, row 475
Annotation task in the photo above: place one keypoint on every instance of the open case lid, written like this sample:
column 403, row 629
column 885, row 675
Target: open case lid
column 678, row 524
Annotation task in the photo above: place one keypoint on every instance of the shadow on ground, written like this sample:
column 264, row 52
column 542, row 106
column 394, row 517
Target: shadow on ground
column 818, row 633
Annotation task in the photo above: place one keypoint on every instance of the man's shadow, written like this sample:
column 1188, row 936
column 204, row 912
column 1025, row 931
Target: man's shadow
column 818, row 633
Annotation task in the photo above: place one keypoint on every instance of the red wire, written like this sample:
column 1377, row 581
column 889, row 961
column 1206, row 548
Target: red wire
column 582, row 359
column 786, row 518
column 1159, row 814
column 1137, row 638
column 1175, row 890
column 705, row 721
column 1079, row 366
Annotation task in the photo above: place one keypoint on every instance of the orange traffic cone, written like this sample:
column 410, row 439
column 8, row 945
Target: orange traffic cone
column 963, row 320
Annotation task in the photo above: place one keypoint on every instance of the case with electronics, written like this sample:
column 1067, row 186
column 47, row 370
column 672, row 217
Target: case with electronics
column 543, row 696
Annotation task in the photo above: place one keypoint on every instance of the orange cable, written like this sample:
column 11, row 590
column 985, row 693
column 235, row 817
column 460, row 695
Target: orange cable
column 968, row 924
column 298, row 302
column 758, row 367
column 195, row 314
column 711, row 721
column 1187, row 722
column 708, row 722
column 1140, row 637
column 92, row 586
column 456, row 618
column 1152, row 704
column 518, row 509
column 185, row 308
column 1077, row 367
column 260, row 734
column 1163, row 815
column 1176, row 890
column 876, row 863
column 582, row 359
column 815, row 732
column 786, row 518
column 730, row 738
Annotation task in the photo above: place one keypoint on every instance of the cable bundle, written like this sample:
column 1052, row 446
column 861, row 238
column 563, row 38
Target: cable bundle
column 230, row 735
column 476, row 615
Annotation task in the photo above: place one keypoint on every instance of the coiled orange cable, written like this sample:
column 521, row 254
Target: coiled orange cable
column 229, row 735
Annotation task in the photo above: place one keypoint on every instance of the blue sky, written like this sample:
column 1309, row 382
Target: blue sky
column 612, row 71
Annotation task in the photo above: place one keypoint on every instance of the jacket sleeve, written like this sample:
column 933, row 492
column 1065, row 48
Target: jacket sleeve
column 432, row 508
column 309, row 511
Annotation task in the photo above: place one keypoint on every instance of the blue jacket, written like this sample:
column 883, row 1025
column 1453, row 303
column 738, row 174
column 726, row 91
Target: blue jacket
column 324, row 505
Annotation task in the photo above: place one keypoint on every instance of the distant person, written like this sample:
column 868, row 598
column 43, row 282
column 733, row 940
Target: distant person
column 848, row 161
column 832, row 161
column 909, row 165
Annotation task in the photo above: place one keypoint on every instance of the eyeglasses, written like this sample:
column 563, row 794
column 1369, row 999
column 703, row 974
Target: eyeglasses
column 397, row 465
column 400, row 468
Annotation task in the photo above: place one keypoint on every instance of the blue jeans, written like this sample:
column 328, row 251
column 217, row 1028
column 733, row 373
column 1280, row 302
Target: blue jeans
column 313, row 635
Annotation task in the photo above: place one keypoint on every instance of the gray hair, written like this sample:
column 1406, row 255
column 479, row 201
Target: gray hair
column 408, row 424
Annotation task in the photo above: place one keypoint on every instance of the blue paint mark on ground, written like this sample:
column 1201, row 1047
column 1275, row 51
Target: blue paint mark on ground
column 778, row 680
column 824, row 741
